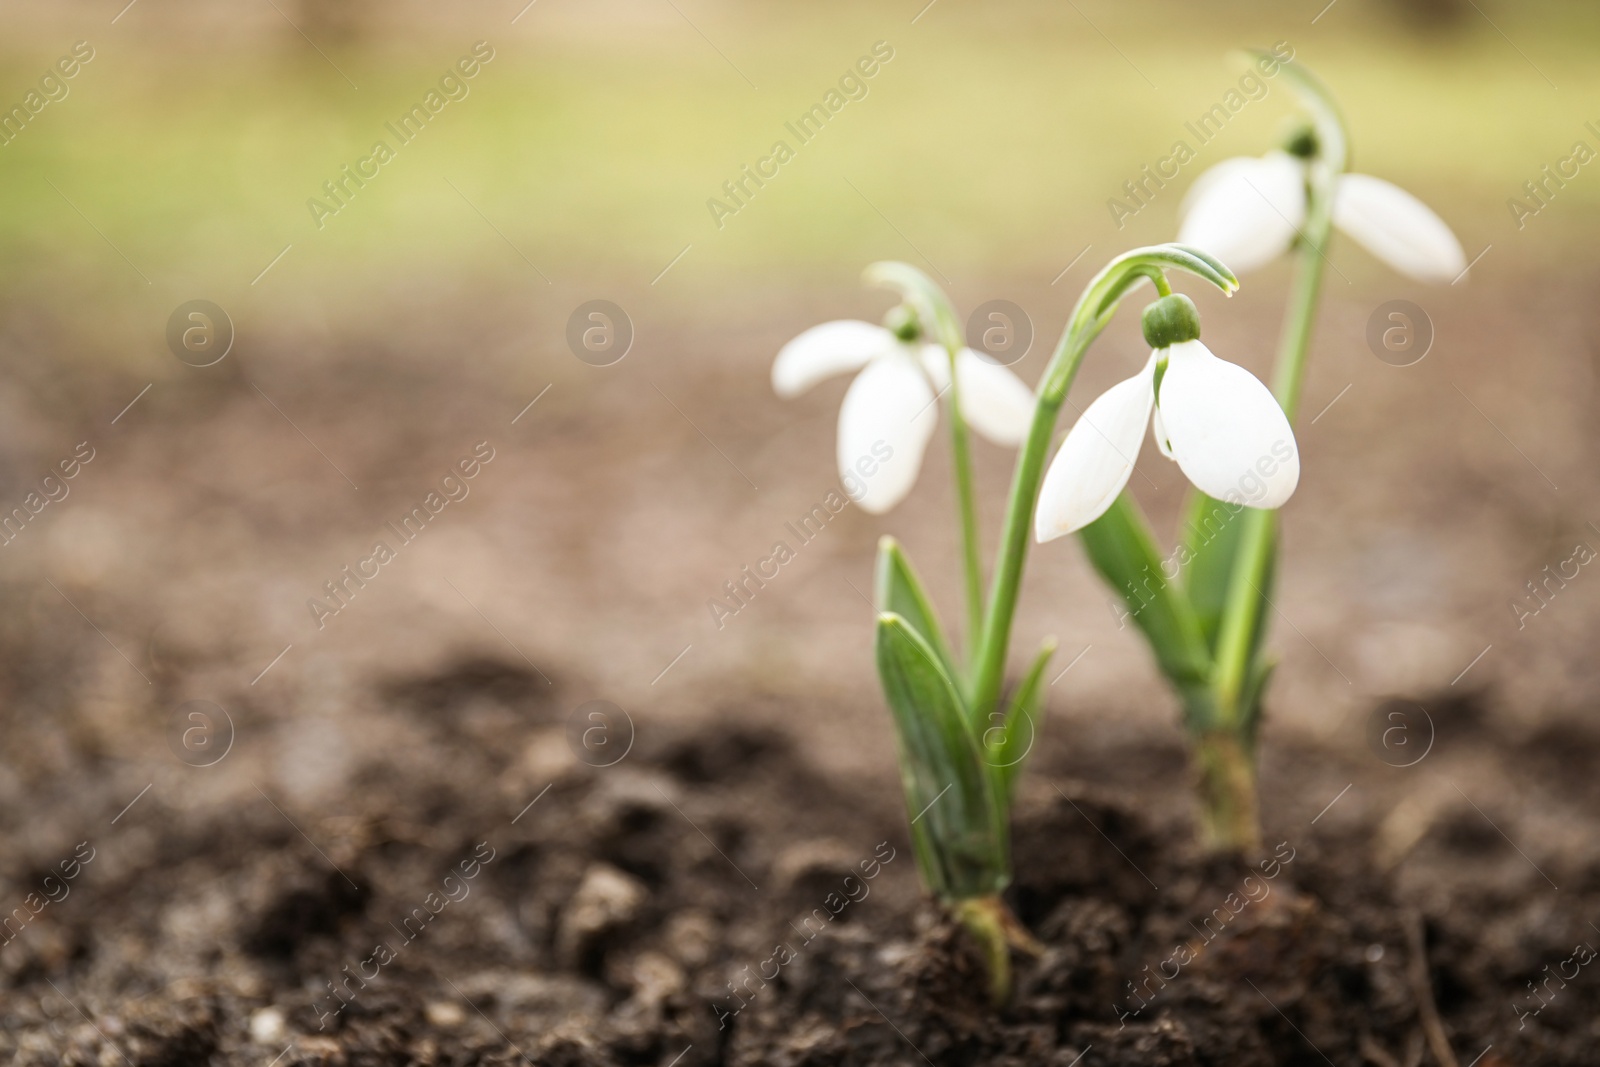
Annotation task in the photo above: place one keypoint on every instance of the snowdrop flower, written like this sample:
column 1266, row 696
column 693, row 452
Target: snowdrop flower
column 889, row 415
column 1222, row 426
column 1247, row 212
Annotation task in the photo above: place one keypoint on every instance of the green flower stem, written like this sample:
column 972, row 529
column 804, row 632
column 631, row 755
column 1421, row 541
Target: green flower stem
column 1302, row 313
column 1094, row 310
column 990, row 627
column 997, row 931
column 967, row 504
column 989, row 655
column 1241, row 615
column 1231, row 820
column 1242, row 612
column 963, row 847
column 979, row 917
column 936, row 320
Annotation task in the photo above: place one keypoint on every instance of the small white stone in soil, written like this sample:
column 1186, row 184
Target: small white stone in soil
column 266, row 1026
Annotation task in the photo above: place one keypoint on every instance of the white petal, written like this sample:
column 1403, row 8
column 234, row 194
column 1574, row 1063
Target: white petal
column 937, row 366
column 1228, row 433
column 1246, row 211
column 1158, row 430
column 826, row 350
column 1398, row 228
column 884, row 426
column 1096, row 459
column 995, row 401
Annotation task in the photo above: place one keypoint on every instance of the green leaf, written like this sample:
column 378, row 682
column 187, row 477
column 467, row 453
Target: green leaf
column 1268, row 587
column 1212, row 533
column 898, row 590
column 1211, row 544
column 1122, row 549
column 1014, row 738
column 1261, row 669
column 958, row 830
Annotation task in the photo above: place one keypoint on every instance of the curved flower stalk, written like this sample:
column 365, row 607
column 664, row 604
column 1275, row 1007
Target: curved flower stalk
column 1203, row 608
column 960, row 745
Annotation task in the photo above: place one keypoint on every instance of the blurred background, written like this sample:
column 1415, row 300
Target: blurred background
column 373, row 350
column 375, row 346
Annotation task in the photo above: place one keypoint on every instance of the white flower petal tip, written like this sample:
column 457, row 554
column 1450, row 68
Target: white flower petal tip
column 825, row 350
column 1398, row 228
column 1246, row 211
column 885, row 423
column 1096, row 459
column 995, row 402
column 1226, row 430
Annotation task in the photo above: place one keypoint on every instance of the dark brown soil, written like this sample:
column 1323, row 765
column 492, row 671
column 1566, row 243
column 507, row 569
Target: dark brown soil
column 712, row 899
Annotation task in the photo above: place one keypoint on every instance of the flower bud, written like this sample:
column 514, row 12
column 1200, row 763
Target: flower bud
column 1170, row 321
column 903, row 323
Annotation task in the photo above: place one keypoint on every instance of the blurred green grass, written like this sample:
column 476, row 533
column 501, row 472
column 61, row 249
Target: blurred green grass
column 989, row 144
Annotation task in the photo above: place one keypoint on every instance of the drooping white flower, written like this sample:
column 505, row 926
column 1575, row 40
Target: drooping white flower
column 1222, row 426
column 889, row 415
column 1246, row 211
